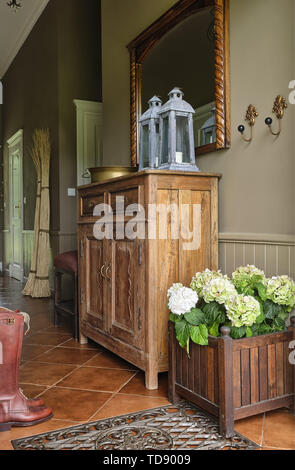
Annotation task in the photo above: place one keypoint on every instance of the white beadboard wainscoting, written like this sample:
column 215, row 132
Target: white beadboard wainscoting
column 275, row 254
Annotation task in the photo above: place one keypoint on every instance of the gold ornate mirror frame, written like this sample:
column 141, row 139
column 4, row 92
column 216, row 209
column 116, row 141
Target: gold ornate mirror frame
column 142, row 45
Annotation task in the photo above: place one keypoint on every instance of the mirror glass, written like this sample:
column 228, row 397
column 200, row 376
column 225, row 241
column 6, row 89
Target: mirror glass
column 185, row 57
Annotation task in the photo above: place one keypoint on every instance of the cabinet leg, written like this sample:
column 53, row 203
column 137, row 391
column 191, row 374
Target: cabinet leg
column 82, row 339
column 151, row 380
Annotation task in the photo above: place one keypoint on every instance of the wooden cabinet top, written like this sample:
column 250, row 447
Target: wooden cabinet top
column 156, row 173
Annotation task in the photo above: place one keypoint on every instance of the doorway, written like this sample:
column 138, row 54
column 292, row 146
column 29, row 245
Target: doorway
column 15, row 153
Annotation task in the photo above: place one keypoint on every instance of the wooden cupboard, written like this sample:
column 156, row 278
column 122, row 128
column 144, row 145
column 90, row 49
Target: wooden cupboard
column 123, row 279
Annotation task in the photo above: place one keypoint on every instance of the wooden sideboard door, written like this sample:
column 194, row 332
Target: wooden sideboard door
column 96, row 286
column 127, row 291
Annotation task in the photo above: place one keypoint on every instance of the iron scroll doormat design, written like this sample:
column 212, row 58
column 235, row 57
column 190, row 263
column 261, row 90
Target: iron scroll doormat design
column 173, row 427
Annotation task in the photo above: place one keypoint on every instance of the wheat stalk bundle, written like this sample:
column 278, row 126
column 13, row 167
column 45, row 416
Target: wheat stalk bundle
column 41, row 285
column 37, row 162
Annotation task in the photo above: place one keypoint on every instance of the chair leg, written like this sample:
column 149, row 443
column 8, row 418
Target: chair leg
column 57, row 297
column 76, row 308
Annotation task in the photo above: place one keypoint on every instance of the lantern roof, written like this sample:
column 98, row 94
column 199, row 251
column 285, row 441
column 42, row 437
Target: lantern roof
column 155, row 104
column 211, row 122
column 177, row 103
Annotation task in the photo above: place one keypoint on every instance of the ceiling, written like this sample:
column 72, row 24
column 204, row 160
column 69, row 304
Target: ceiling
column 15, row 28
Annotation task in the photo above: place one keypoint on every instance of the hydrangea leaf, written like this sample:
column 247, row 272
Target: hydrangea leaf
column 271, row 309
column 199, row 335
column 261, row 289
column 175, row 318
column 249, row 332
column 212, row 311
column 195, row 317
column 182, row 333
column 237, row 333
column 214, row 329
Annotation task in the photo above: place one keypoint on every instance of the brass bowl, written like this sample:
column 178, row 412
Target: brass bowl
column 103, row 173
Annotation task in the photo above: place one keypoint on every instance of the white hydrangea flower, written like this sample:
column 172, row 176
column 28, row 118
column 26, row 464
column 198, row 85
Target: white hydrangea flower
column 242, row 310
column 281, row 290
column 245, row 275
column 218, row 290
column 181, row 299
column 200, row 280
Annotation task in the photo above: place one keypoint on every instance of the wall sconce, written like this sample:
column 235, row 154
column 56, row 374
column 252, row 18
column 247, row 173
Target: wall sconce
column 278, row 109
column 251, row 116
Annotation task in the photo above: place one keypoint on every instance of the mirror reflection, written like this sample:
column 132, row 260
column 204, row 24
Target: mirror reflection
column 185, row 57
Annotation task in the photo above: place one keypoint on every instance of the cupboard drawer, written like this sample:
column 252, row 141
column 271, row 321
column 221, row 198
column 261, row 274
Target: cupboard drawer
column 131, row 196
column 89, row 202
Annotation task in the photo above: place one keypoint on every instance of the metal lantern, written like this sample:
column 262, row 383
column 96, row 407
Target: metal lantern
column 177, row 146
column 149, row 135
column 208, row 130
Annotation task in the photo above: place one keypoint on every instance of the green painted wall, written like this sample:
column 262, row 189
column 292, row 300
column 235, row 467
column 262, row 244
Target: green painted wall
column 59, row 62
column 257, row 189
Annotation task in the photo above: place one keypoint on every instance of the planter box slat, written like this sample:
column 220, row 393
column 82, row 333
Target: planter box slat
column 262, row 407
column 204, row 372
column 234, row 378
column 280, row 364
column 245, row 377
column 237, row 382
column 254, row 375
column 196, row 373
column 272, row 385
column 263, row 372
column 197, row 400
column 256, row 341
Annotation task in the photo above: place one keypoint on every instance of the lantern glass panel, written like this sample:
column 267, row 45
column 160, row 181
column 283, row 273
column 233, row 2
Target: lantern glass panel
column 145, row 146
column 164, row 150
column 182, row 140
column 157, row 145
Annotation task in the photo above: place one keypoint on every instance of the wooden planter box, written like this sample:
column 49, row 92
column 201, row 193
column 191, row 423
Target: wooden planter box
column 234, row 379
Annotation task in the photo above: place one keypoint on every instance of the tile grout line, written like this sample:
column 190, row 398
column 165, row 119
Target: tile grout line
column 262, row 433
column 77, row 367
column 113, row 396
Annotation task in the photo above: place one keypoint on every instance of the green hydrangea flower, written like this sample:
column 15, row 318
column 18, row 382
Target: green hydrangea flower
column 242, row 310
column 281, row 290
column 218, row 290
column 245, row 278
column 200, row 280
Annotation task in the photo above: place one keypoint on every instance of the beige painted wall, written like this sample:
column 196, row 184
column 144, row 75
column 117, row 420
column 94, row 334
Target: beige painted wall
column 257, row 189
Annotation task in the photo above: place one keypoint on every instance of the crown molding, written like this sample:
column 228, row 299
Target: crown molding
column 23, row 34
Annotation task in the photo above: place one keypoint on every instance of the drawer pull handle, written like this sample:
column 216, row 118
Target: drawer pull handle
column 101, row 272
column 107, row 272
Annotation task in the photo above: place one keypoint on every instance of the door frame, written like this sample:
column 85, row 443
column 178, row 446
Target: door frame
column 16, row 139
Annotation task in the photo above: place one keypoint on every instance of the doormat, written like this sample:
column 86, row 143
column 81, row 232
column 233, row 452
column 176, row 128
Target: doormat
column 181, row 426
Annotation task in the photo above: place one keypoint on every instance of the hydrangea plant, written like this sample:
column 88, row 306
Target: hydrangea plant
column 249, row 303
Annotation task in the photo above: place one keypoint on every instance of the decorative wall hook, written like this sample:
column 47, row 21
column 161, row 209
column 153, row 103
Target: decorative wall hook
column 278, row 109
column 250, row 117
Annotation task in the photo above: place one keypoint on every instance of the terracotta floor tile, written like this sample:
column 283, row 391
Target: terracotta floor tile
column 251, row 428
column 43, row 374
column 74, row 405
column 46, row 339
column 72, row 343
column 60, row 330
column 136, row 386
column 279, row 430
column 90, row 378
column 32, row 391
column 122, row 404
column 273, row 448
column 68, row 356
column 19, row 433
column 31, row 351
column 109, row 360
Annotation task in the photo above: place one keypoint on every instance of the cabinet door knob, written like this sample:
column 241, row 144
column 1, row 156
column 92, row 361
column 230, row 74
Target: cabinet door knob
column 101, row 272
column 107, row 272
